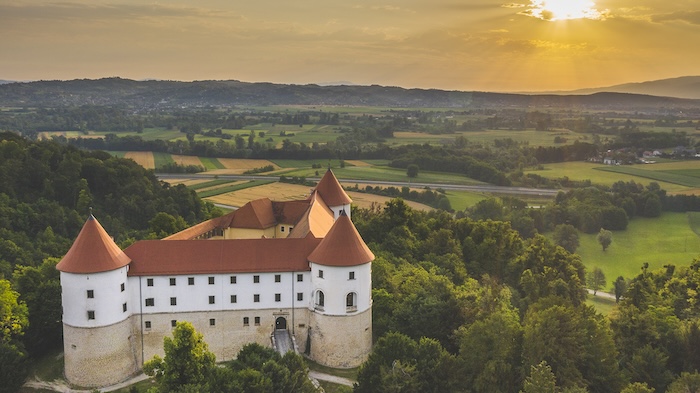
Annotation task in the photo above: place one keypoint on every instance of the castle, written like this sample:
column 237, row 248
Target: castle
column 299, row 266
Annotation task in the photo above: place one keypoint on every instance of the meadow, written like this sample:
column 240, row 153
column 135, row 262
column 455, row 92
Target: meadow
column 669, row 239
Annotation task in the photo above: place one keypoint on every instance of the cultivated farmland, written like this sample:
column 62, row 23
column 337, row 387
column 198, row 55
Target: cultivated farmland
column 143, row 158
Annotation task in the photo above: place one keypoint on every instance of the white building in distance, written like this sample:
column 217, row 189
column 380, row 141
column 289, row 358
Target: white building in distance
column 299, row 266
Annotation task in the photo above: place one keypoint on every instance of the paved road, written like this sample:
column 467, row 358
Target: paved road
column 460, row 187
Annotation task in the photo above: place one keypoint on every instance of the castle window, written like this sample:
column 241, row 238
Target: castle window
column 320, row 273
column 150, row 302
column 256, row 279
column 257, row 321
column 91, row 314
column 233, row 279
column 190, row 280
column 149, row 282
column 278, row 277
column 147, row 325
column 256, row 298
column 278, row 297
column 320, row 300
column 211, row 280
column 212, row 299
column 246, row 321
column 212, row 322
column 351, row 302
column 90, row 293
column 173, row 301
column 282, row 228
column 122, row 287
column 300, row 277
column 124, row 307
column 351, row 276
column 300, row 296
column 173, row 282
column 173, row 322
column 234, row 298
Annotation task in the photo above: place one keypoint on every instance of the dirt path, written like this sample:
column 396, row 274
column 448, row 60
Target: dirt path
column 330, row 378
column 60, row 385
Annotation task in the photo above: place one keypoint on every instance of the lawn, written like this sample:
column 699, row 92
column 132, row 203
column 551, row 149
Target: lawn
column 460, row 200
column 162, row 159
column 211, row 163
column 387, row 174
column 234, row 187
column 668, row 239
column 604, row 305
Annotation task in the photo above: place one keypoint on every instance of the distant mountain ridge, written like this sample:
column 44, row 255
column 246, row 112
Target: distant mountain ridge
column 681, row 87
column 229, row 93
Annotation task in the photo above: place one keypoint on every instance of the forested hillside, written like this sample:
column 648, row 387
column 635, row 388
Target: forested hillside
column 47, row 191
column 470, row 306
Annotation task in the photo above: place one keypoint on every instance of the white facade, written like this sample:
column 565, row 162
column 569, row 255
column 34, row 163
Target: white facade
column 337, row 210
column 337, row 283
column 96, row 299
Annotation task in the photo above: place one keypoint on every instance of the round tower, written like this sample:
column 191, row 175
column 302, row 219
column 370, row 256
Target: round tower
column 97, row 337
column 333, row 194
column 341, row 277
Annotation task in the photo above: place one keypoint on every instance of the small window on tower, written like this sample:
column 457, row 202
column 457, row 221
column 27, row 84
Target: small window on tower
column 91, row 314
column 90, row 293
column 351, row 276
column 122, row 287
column 282, row 228
column 278, row 277
column 173, row 282
column 149, row 282
column 124, row 307
column 320, row 273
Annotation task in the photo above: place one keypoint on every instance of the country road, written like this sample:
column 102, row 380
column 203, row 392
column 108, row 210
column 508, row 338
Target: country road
column 459, row 187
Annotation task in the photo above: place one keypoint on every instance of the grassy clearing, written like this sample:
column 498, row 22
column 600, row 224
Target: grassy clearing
column 668, row 239
column 186, row 160
column 118, row 154
column 210, row 183
column 161, row 159
column 604, row 305
column 306, row 163
column 243, row 164
column 235, row 187
column 668, row 177
column 388, row 174
column 211, row 163
column 460, row 200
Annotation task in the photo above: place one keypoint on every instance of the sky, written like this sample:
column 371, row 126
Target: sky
column 483, row 45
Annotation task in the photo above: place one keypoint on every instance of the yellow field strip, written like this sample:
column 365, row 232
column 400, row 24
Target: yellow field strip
column 143, row 158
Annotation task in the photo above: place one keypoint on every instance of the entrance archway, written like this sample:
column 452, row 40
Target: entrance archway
column 281, row 323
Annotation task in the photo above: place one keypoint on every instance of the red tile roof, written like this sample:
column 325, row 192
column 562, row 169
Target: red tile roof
column 255, row 214
column 93, row 251
column 331, row 191
column 157, row 257
column 342, row 246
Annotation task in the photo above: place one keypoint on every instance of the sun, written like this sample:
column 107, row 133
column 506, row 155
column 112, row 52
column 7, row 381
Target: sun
column 554, row 10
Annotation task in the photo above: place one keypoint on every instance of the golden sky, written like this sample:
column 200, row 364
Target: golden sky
column 488, row 45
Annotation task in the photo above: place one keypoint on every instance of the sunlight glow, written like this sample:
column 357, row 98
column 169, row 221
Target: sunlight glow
column 554, row 10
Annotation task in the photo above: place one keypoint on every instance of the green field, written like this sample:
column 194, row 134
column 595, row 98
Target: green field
column 604, row 305
column 669, row 239
column 212, row 183
column 211, row 163
column 387, row 174
column 580, row 171
column 460, row 200
column 664, row 176
column 282, row 163
column 161, row 159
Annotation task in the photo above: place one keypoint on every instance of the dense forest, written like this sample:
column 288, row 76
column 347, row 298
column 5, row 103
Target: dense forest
column 47, row 191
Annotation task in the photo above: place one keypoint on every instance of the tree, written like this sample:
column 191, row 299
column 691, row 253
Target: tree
column 637, row 387
column 187, row 360
column 604, row 238
column 13, row 322
column 686, row 383
column 596, row 280
column 412, row 170
column 620, row 285
column 540, row 380
column 566, row 235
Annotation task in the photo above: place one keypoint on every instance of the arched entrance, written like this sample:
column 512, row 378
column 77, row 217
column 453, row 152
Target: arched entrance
column 281, row 323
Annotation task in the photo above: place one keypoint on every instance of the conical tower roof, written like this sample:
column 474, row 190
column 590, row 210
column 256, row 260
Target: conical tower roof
column 93, row 251
column 331, row 191
column 342, row 246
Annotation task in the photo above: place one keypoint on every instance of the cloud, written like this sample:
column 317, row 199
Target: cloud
column 692, row 17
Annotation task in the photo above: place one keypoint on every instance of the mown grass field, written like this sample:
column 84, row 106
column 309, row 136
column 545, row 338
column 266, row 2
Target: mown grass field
column 387, row 174
column 604, row 305
column 233, row 187
column 658, row 175
column 669, row 239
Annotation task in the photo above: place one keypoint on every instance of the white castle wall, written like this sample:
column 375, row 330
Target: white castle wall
column 336, row 284
column 107, row 301
column 341, row 341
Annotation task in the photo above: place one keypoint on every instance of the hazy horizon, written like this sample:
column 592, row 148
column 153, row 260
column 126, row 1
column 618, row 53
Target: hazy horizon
column 525, row 46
